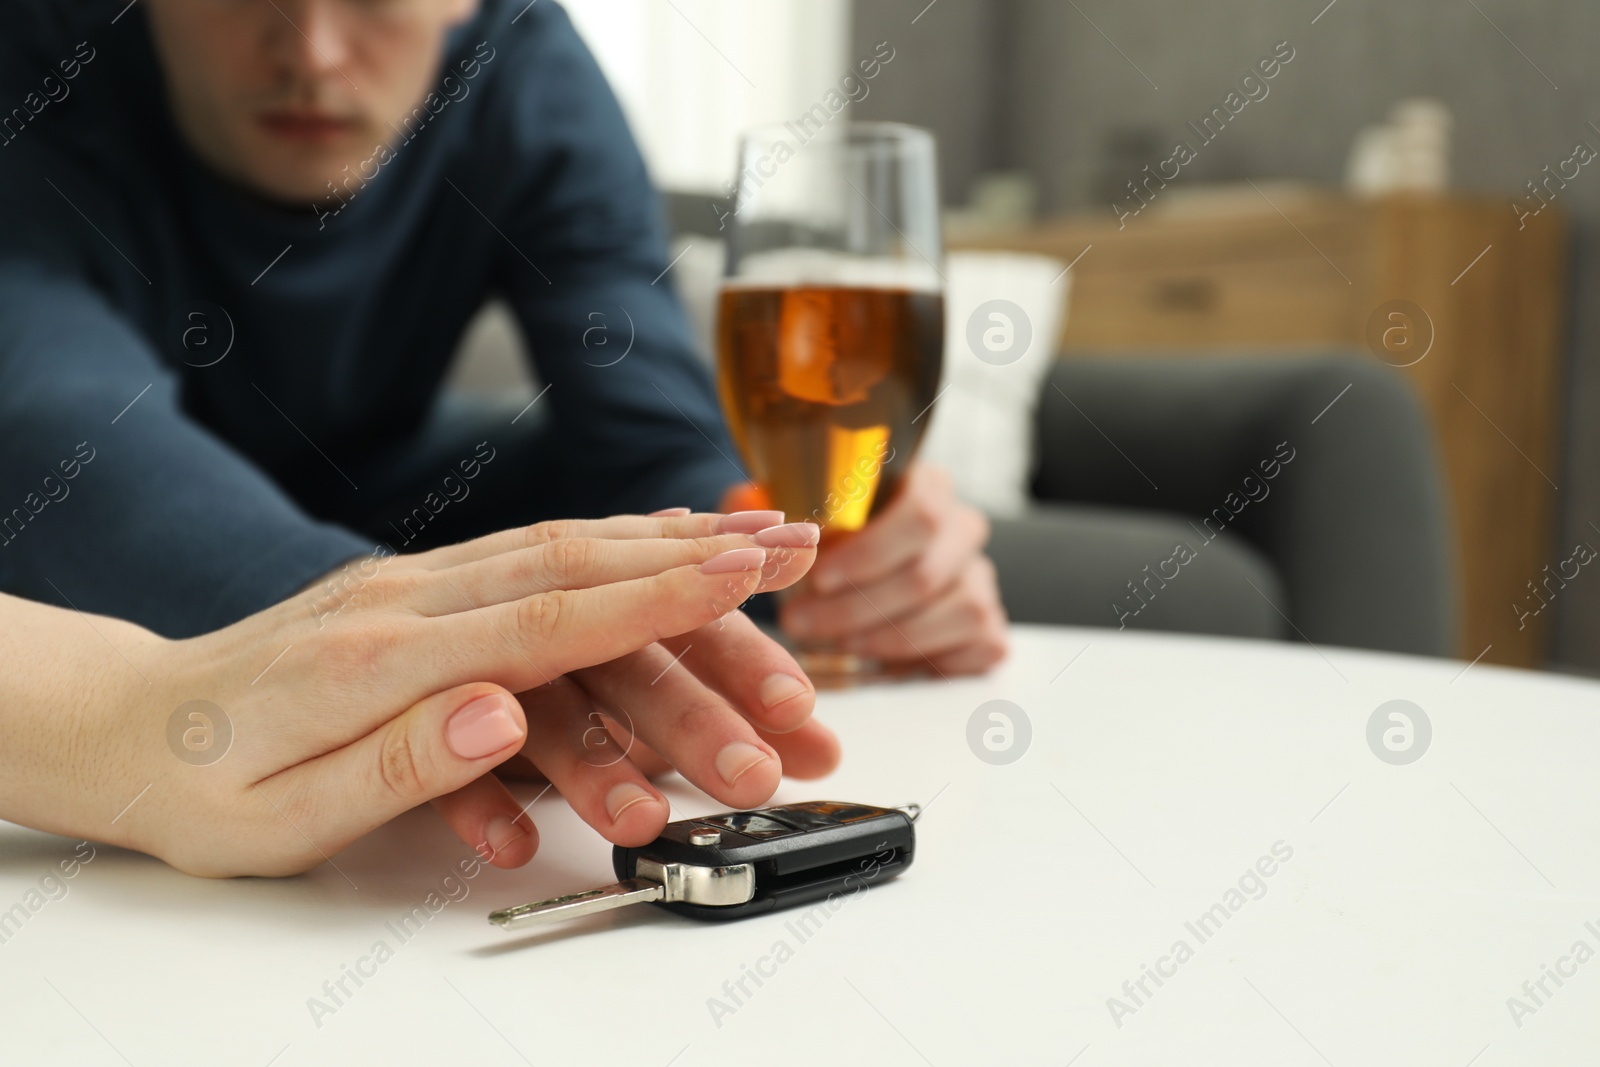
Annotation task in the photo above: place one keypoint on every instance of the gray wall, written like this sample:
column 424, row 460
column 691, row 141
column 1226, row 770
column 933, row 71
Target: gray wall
column 1031, row 84
column 945, row 66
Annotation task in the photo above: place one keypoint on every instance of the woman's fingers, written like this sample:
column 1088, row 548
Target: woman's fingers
column 435, row 747
column 529, row 642
column 585, row 562
column 519, row 537
column 571, row 743
column 618, row 527
column 689, row 725
column 750, row 669
column 520, row 644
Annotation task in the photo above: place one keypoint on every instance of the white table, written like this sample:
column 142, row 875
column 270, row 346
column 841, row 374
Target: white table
column 1417, row 900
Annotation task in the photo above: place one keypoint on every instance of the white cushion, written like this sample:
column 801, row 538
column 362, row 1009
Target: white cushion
column 1003, row 314
column 697, row 276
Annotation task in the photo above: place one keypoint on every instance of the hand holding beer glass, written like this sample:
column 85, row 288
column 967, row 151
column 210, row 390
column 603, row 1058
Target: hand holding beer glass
column 830, row 332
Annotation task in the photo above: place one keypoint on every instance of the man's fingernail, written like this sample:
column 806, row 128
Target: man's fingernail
column 749, row 522
column 738, row 559
column 484, row 726
column 826, row 582
column 501, row 834
column 623, row 796
column 669, row 513
column 794, row 535
column 779, row 688
column 735, row 760
column 798, row 621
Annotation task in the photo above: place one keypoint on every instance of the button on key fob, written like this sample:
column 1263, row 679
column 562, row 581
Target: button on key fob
column 743, row 862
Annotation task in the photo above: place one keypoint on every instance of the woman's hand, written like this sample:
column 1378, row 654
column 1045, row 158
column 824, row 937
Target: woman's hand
column 319, row 725
column 724, row 704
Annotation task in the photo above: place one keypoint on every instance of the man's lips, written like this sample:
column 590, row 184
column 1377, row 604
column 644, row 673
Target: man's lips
column 306, row 126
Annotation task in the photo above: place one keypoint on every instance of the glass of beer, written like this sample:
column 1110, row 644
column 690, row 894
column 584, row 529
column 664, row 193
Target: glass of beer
column 830, row 331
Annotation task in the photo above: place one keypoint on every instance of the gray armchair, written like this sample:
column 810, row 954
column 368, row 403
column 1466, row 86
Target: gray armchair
column 1155, row 508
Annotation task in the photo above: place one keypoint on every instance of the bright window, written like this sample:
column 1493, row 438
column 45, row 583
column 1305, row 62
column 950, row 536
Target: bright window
column 692, row 73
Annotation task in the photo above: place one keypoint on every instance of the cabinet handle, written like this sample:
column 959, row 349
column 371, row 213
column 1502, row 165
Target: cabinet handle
column 1187, row 294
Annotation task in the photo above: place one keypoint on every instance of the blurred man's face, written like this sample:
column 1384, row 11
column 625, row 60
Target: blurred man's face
column 282, row 95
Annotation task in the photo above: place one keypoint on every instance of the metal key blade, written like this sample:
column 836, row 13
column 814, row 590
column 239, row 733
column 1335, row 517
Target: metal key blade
column 617, row 895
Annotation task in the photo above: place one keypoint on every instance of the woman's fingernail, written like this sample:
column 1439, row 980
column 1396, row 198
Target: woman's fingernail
column 735, row 760
column 780, row 688
column 484, row 726
column 794, row 535
column 739, row 559
column 501, row 834
column 669, row 513
column 749, row 522
column 623, row 796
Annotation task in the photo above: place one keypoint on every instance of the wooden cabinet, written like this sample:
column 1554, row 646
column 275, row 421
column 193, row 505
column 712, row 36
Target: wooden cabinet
column 1311, row 271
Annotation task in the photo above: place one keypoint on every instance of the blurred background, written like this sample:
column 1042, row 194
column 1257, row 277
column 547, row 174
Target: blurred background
column 1426, row 159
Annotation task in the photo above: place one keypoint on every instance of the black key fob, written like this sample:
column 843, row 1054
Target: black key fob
column 745, row 862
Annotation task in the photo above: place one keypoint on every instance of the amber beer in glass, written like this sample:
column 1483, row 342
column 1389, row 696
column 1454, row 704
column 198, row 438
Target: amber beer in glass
column 830, row 327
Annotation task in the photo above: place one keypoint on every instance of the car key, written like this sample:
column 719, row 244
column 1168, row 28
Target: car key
column 740, row 863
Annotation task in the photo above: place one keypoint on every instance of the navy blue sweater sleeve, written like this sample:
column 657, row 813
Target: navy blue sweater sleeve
column 113, row 500
column 585, row 268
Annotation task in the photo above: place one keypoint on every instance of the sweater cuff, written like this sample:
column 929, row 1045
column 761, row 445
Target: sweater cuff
column 299, row 558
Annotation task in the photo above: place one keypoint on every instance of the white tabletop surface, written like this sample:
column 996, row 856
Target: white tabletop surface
column 1416, row 900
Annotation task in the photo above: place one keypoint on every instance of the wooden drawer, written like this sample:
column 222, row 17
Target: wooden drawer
column 1309, row 273
column 1186, row 305
column 1239, row 278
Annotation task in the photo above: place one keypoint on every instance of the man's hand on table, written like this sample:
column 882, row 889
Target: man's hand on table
column 913, row 588
column 404, row 694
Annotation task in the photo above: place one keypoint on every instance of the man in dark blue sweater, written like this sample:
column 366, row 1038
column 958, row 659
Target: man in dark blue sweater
column 246, row 205
column 239, row 242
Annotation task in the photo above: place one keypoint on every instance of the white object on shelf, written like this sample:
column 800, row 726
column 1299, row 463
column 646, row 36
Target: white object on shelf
column 1409, row 152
